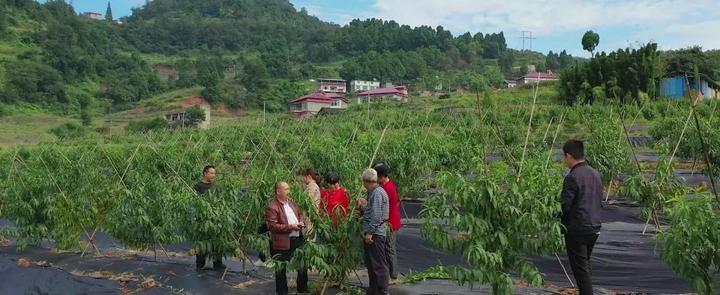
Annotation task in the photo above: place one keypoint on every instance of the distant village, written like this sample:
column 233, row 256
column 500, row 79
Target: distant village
column 332, row 96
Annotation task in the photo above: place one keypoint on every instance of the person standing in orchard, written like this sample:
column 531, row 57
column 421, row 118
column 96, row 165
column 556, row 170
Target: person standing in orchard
column 581, row 205
column 286, row 222
column 376, row 211
column 206, row 186
column 335, row 199
column 395, row 220
column 312, row 189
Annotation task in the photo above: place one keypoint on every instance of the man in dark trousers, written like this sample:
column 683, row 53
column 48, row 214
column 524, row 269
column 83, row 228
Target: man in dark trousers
column 581, row 197
column 395, row 220
column 204, row 187
column 376, row 211
column 286, row 222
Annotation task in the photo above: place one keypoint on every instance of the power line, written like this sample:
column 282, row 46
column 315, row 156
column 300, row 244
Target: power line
column 527, row 37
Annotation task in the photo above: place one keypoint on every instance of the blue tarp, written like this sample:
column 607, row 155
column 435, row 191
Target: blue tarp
column 673, row 87
column 677, row 88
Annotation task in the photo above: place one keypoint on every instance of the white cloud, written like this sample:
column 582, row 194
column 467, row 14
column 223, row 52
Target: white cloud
column 674, row 23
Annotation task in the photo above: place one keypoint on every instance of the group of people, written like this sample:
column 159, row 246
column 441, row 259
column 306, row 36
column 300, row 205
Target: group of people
column 290, row 227
column 288, row 224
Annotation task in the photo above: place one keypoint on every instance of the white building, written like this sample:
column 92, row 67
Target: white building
column 93, row 15
column 536, row 77
column 359, row 85
column 332, row 85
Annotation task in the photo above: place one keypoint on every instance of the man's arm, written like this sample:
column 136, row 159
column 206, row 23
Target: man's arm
column 569, row 194
column 272, row 218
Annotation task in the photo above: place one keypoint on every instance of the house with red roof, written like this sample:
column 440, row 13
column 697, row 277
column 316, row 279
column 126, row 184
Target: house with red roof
column 393, row 93
column 537, row 77
column 309, row 105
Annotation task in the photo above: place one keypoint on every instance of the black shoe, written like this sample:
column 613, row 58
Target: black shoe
column 219, row 266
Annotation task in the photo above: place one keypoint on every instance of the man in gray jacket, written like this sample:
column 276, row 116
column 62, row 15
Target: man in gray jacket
column 376, row 210
column 581, row 206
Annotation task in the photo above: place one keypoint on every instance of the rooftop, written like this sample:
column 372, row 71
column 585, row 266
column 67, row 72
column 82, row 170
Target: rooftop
column 541, row 75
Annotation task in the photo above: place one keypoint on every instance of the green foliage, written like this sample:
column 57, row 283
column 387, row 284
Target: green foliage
column 194, row 116
column 255, row 76
column 437, row 272
column 3, row 19
column 622, row 76
column 108, row 13
column 682, row 61
column 147, row 125
column 690, row 245
column 495, row 222
column 69, row 51
column 607, row 147
column 590, row 41
column 475, row 82
column 280, row 94
column 70, row 131
column 4, row 111
column 85, row 118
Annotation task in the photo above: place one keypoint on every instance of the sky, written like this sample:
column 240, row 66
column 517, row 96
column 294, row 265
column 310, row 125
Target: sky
column 556, row 24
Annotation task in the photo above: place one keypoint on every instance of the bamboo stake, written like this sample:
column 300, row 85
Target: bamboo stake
column 377, row 147
column 557, row 133
column 529, row 129
column 547, row 130
column 89, row 242
column 67, row 202
column 565, row 271
column 707, row 156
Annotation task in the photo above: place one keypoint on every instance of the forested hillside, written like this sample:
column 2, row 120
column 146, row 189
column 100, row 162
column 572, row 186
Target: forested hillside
column 50, row 56
column 54, row 58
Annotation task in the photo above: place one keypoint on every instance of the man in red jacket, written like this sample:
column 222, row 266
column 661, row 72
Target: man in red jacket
column 394, row 219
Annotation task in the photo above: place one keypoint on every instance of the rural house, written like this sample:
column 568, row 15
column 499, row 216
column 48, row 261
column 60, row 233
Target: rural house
column 93, row 15
column 332, row 85
column 359, row 85
column 310, row 105
column 395, row 93
column 537, row 77
column 179, row 117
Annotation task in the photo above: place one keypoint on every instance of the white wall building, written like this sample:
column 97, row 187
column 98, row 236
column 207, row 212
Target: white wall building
column 359, row 85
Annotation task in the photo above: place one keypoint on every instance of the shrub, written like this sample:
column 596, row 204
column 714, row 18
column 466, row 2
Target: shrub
column 147, row 125
column 69, row 131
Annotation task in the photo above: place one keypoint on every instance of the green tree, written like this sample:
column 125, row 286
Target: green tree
column 3, row 19
column 147, row 125
column 194, row 116
column 552, row 61
column 85, row 118
column 281, row 94
column 255, row 76
column 69, row 131
column 590, row 41
column 108, row 13
column 476, row 83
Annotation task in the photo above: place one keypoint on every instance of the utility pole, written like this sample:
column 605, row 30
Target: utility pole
column 527, row 37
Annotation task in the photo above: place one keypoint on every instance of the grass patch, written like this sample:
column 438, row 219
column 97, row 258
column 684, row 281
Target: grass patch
column 29, row 127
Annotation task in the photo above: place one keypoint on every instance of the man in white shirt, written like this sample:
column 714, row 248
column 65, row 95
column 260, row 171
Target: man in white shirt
column 286, row 222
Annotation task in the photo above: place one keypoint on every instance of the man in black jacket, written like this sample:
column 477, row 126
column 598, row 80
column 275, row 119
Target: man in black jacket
column 581, row 197
column 206, row 186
